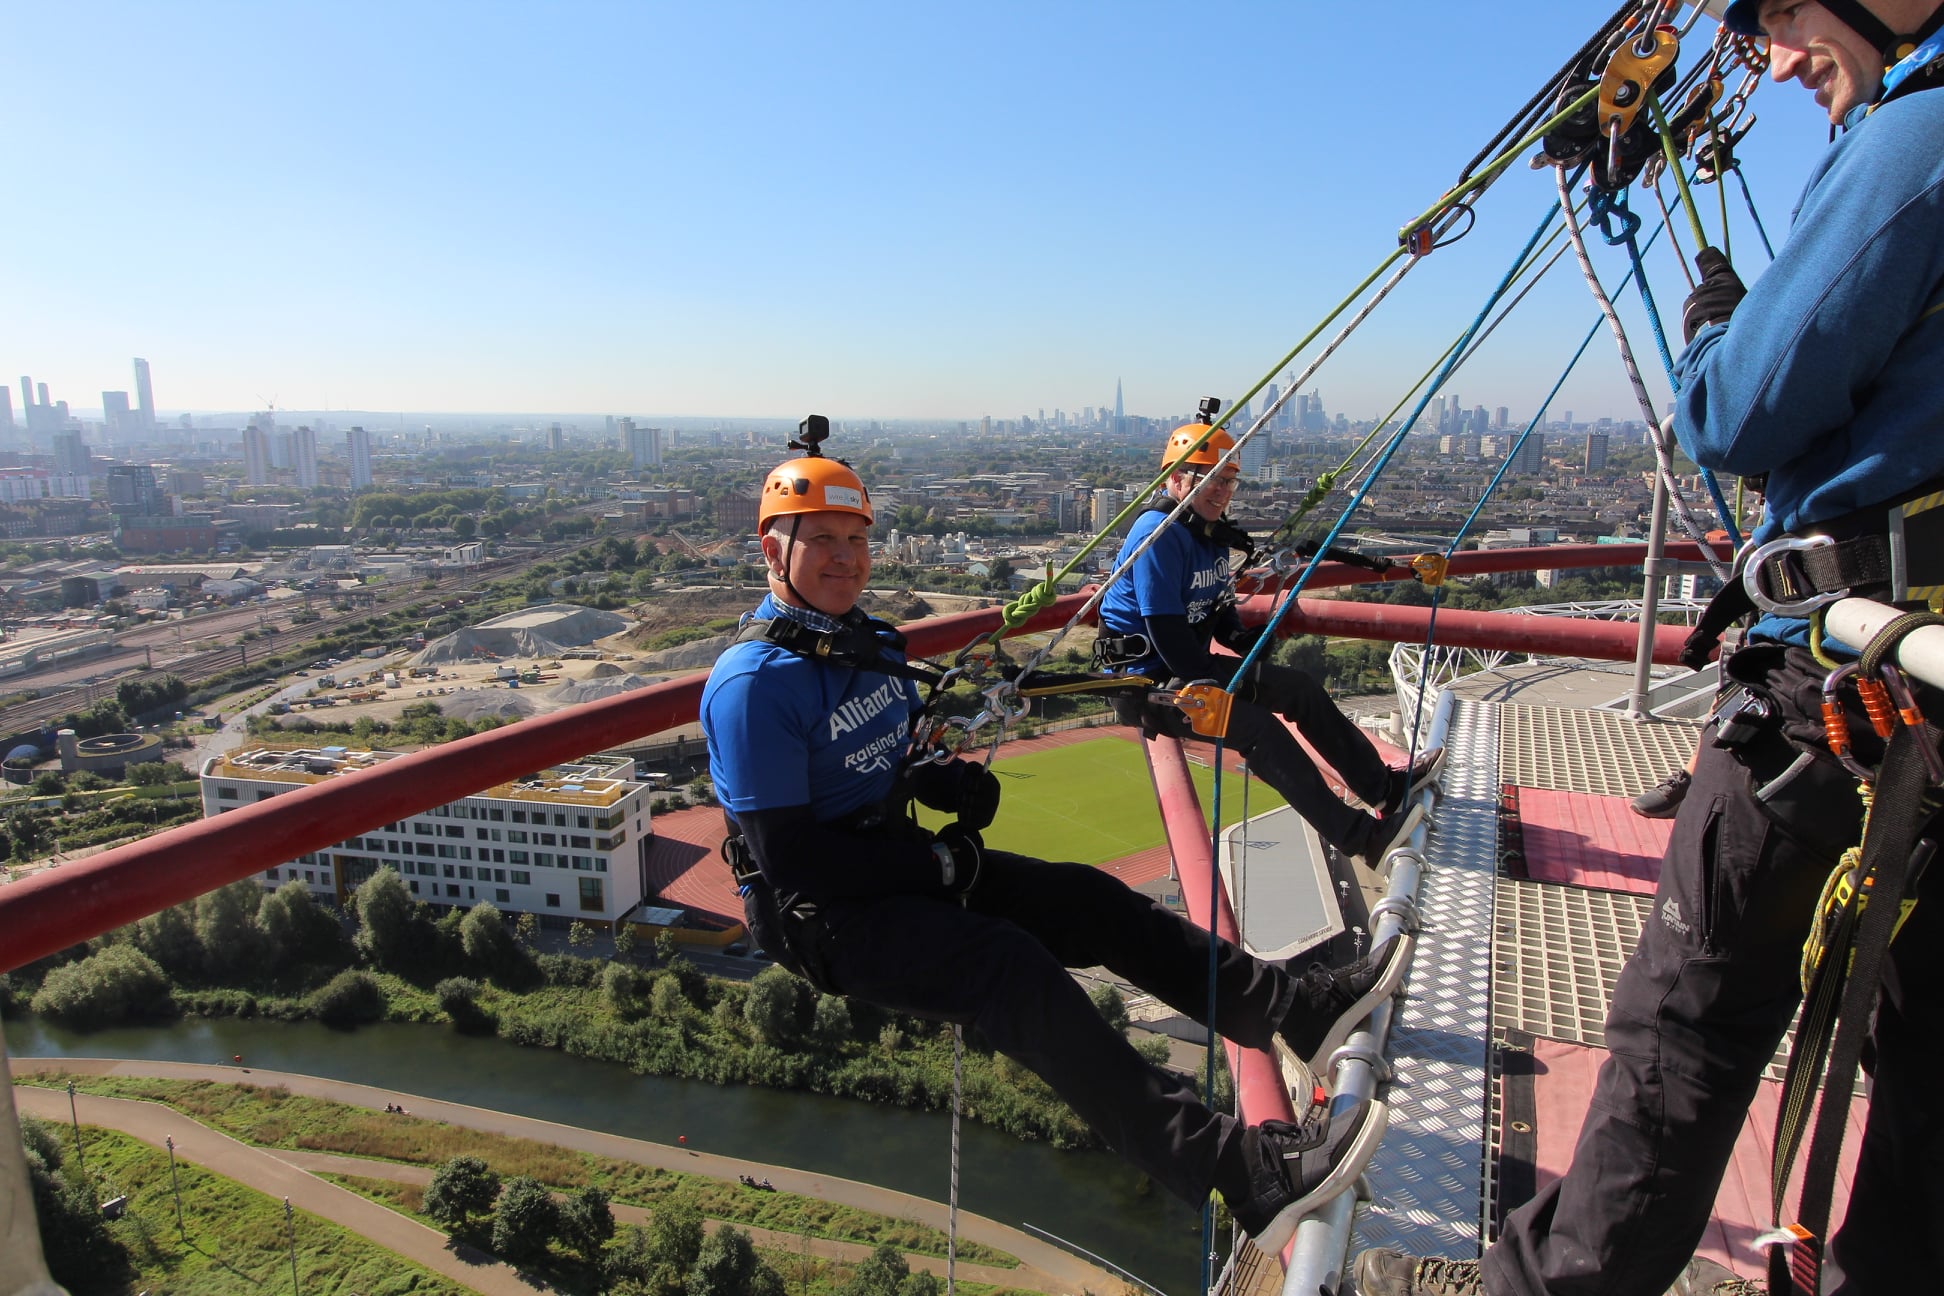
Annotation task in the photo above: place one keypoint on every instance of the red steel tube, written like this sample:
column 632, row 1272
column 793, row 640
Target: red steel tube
column 1258, row 1080
column 57, row 907
column 1510, row 631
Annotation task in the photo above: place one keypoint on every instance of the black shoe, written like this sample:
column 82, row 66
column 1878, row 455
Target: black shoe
column 1663, row 800
column 1377, row 836
column 1286, row 1170
column 1391, row 1273
column 1405, row 783
column 1331, row 1002
column 1704, row 1277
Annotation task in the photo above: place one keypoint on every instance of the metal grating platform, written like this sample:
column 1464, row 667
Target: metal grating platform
column 1601, row 752
column 1429, row 1175
column 1558, row 952
column 1558, row 956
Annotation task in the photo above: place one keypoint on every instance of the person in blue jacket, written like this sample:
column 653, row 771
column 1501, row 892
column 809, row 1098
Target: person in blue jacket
column 1827, row 376
column 809, row 718
column 1160, row 619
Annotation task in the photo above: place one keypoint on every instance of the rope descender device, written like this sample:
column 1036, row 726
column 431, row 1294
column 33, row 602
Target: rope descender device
column 1205, row 703
column 1624, row 84
column 1430, row 568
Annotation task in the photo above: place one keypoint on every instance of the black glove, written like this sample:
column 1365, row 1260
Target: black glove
column 963, row 788
column 1716, row 297
column 959, row 852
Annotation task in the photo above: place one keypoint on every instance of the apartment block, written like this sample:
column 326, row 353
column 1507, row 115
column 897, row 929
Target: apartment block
column 569, row 843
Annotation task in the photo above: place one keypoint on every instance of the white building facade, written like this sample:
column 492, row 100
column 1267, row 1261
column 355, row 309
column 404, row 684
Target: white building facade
column 568, row 844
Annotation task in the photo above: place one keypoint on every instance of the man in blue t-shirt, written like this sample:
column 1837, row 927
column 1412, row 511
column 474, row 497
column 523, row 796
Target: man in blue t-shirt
column 809, row 716
column 1827, row 377
column 1160, row 619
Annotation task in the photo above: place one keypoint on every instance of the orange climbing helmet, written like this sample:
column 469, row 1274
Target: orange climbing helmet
column 1177, row 453
column 813, row 483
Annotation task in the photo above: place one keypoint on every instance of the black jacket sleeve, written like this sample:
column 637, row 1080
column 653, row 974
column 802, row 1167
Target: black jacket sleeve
column 799, row 856
column 1184, row 651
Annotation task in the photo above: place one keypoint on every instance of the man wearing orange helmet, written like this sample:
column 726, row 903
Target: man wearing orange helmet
column 809, row 716
column 1160, row 619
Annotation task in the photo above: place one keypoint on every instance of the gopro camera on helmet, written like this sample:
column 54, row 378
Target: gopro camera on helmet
column 814, row 430
column 1209, row 407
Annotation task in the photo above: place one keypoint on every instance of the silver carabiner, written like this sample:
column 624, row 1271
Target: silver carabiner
column 1752, row 577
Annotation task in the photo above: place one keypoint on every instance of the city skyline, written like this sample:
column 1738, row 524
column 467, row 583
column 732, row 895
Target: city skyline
column 878, row 213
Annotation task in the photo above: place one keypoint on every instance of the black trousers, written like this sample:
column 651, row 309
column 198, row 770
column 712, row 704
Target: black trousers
column 1001, row 962
column 1701, row 1007
column 1279, row 760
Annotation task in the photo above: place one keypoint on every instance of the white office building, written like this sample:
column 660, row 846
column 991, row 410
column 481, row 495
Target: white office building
column 569, row 843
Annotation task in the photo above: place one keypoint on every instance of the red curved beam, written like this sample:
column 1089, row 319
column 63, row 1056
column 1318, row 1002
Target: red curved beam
column 1510, row 631
column 57, row 907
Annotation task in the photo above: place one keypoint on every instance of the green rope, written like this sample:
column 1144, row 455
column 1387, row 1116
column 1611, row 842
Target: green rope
column 1674, row 165
column 1482, row 180
column 1721, row 192
column 1327, row 480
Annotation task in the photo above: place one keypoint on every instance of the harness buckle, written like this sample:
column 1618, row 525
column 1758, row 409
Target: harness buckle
column 1786, row 606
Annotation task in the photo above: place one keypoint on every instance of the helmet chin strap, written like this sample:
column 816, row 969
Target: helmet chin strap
column 1854, row 15
column 789, row 553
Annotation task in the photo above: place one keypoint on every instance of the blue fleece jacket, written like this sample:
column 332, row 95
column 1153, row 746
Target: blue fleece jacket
column 1830, row 376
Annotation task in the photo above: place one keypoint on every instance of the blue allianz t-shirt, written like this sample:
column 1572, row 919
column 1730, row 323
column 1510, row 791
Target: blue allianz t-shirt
column 1182, row 575
column 784, row 730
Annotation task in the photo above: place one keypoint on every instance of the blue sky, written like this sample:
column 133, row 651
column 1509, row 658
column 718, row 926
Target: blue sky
column 876, row 210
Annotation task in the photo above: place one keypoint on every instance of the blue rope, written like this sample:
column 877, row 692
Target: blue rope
column 1754, row 215
column 1397, row 438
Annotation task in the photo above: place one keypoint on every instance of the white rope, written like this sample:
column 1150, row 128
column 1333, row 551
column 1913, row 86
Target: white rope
column 1662, row 435
column 958, row 1104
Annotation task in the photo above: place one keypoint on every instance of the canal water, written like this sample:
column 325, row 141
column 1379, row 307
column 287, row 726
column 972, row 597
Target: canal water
column 1089, row 1199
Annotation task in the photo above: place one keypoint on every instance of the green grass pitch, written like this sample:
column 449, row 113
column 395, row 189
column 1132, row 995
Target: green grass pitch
column 1093, row 801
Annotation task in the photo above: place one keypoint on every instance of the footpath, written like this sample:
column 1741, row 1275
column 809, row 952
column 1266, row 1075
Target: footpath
column 284, row 1173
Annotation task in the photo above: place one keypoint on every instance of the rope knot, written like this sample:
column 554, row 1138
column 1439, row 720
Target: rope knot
column 1030, row 604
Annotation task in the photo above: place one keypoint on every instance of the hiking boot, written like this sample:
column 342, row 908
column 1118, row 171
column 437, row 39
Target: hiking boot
column 1406, row 783
column 1286, row 1170
column 1663, row 800
column 1704, row 1277
column 1391, row 1273
column 1332, row 1002
column 1379, row 835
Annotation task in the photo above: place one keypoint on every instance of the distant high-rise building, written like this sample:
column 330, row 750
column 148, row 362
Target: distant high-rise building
column 556, row 440
column 6, row 409
column 281, row 450
column 1504, row 417
column 115, row 413
column 357, row 444
column 144, row 395
column 1317, row 420
column 1596, row 451
column 132, row 492
column 644, row 445
column 1254, row 458
column 303, row 456
column 70, row 454
column 26, row 394
column 42, row 389
column 1531, row 457
column 1120, row 410
column 256, row 455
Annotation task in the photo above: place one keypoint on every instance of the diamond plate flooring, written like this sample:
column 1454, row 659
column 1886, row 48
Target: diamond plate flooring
column 1601, row 752
column 1428, row 1177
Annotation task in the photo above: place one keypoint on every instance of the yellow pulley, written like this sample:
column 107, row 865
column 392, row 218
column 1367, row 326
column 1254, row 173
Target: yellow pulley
column 1628, row 76
column 1430, row 568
